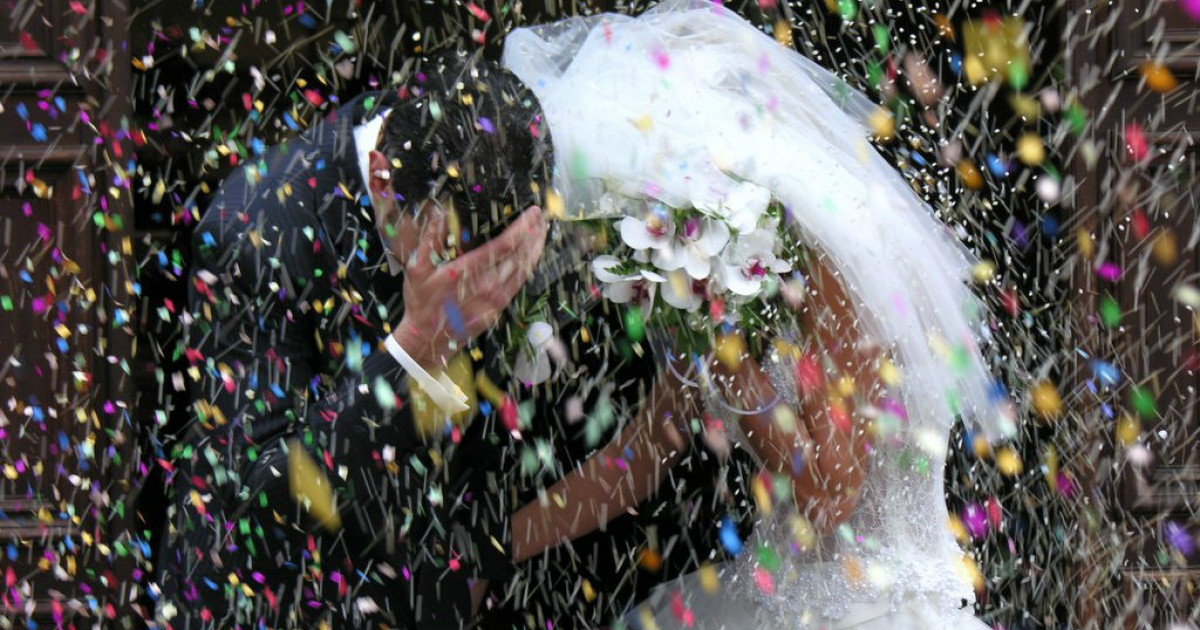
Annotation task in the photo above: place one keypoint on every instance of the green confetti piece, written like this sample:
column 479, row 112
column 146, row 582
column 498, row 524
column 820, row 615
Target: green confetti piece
column 345, row 43
column 1018, row 75
column 577, row 164
column 1076, row 118
column 384, row 394
column 6, row 303
column 882, row 39
column 525, row 412
column 1110, row 312
column 354, row 358
column 1143, row 402
column 529, row 461
column 848, row 9
column 633, row 324
column 767, row 558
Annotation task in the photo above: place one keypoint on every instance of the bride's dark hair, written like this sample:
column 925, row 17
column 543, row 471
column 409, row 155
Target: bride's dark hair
column 468, row 129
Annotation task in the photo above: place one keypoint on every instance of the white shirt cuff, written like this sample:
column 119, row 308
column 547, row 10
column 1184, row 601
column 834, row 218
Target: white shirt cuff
column 440, row 389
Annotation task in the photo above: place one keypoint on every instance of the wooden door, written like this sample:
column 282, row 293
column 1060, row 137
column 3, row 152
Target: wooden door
column 1138, row 304
column 64, row 457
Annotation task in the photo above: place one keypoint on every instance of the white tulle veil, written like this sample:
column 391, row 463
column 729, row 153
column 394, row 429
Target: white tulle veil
column 687, row 100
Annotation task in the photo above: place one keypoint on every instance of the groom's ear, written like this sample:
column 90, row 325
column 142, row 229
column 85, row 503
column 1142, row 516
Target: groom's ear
column 379, row 176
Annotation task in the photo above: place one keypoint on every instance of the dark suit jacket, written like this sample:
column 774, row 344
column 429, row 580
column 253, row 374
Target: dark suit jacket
column 289, row 304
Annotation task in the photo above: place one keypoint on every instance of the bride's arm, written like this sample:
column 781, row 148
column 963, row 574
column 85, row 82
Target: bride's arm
column 615, row 478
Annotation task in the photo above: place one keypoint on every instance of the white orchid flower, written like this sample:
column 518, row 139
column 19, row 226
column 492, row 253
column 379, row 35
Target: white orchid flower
column 534, row 367
column 678, row 291
column 626, row 288
column 748, row 261
column 695, row 246
column 655, row 232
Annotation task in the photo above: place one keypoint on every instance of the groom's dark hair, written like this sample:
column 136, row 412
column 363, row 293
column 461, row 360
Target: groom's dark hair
column 468, row 128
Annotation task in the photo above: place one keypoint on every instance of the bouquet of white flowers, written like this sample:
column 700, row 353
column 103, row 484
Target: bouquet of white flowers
column 733, row 256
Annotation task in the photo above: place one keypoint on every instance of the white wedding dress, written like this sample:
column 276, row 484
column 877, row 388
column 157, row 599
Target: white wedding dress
column 687, row 104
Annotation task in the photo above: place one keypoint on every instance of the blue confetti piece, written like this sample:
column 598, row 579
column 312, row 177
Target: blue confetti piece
column 291, row 122
column 455, row 317
column 275, row 389
column 997, row 393
column 208, row 239
column 1107, row 373
column 22, row 111
column 997, row 165
column 486, row 125
column 956, row 63
column 1050, row 226
column 484, row 407
column 39, row 132
column 729, row 537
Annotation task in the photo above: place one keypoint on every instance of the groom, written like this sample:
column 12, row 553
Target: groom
column 304, row 494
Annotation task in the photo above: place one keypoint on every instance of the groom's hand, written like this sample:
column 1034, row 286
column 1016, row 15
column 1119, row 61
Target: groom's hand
column 445, row 306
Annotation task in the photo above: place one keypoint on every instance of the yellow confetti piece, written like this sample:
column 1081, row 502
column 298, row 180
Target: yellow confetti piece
column 1158, row 77
column 554, row 206
column 783, row 33
column 488, row 389
column 1030, row 149
column 945, row 28
column 650, row 560
column 853, row 570
column 762, row 496
column 730, row 349
column 972, row 573
column 784, row 418
column 802, row 532
column 982, row 448
column 643, row 123
column 1008, row 462
column 970, row 176
column 1046, row 401
column 976, row 73
column 1128, row 429
column 310, row 486
column 1050, row 463
column 889, row 373
column 958, row 529
column 983, row 272
column 708, row 579
column 845, row 386
column 1165, row 249
column 589, row 593
column 427, row 416
column 1083, row 240
column 883, row 125
column 1025, row 106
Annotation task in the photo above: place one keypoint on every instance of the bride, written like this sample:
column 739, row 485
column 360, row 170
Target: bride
column 848, row 415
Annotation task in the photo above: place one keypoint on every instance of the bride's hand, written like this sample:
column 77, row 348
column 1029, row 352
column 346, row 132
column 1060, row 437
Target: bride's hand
column 819, row 445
